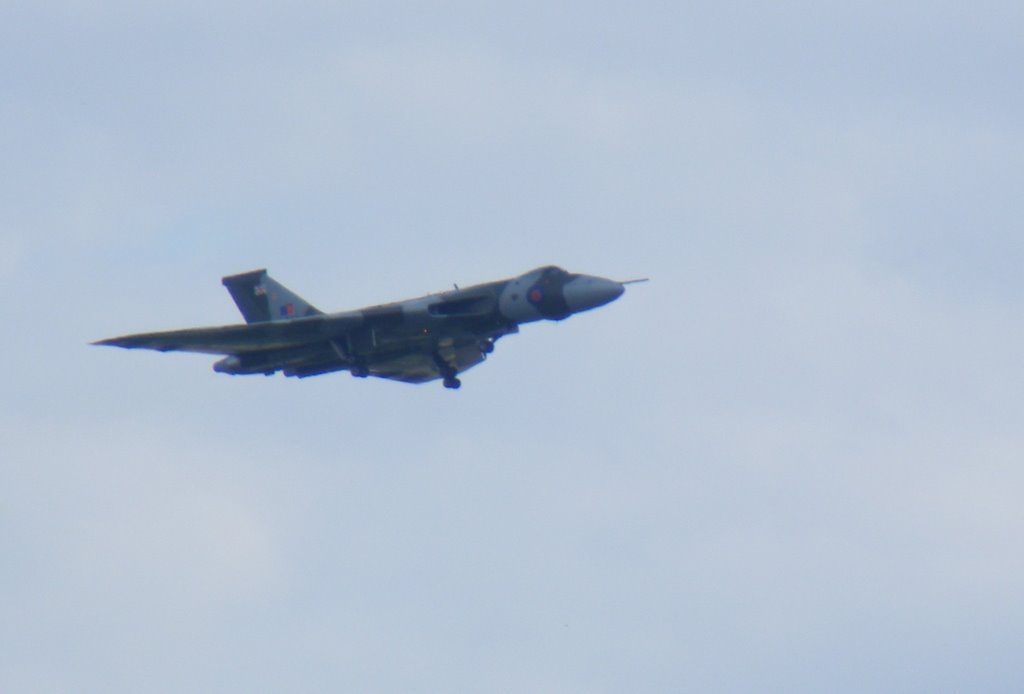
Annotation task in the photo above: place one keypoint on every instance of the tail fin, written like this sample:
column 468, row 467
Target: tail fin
column 261, row 299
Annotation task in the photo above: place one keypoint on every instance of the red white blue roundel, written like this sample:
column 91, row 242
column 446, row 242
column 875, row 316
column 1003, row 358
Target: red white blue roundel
column 535, row 296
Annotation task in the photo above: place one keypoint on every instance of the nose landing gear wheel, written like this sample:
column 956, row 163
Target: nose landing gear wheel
column 452, row 383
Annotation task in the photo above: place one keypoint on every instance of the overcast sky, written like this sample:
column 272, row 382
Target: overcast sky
column 792, row 462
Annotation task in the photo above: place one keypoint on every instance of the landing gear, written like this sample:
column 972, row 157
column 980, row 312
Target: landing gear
column 448, row 373
column 486, row 346
column 359, row 371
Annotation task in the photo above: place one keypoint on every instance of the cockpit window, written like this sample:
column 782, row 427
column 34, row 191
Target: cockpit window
column 553, row 272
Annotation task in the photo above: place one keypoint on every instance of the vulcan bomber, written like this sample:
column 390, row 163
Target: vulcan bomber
column 437, row 336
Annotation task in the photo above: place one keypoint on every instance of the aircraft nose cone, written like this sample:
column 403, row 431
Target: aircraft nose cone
column 586, row 292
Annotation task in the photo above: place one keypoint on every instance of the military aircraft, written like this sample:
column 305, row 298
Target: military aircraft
column 415, row 341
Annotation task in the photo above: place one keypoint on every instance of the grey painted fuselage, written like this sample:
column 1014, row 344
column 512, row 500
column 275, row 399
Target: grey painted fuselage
column 417, row 340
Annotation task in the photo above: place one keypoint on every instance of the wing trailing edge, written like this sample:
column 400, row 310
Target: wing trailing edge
column 241, row 338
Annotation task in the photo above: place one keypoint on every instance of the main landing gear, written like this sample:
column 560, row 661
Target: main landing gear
column 448, row 373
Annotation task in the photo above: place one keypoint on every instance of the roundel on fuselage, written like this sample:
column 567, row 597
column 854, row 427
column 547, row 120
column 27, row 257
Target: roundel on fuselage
column 546, row 293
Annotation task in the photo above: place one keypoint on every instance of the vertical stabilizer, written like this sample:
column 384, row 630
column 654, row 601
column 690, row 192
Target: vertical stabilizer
column 261, row 299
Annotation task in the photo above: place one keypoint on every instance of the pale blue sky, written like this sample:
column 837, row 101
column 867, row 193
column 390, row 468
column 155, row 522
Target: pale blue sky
column 792, row 462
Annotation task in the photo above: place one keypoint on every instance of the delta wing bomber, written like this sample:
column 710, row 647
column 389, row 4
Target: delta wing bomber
column 437, row 336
